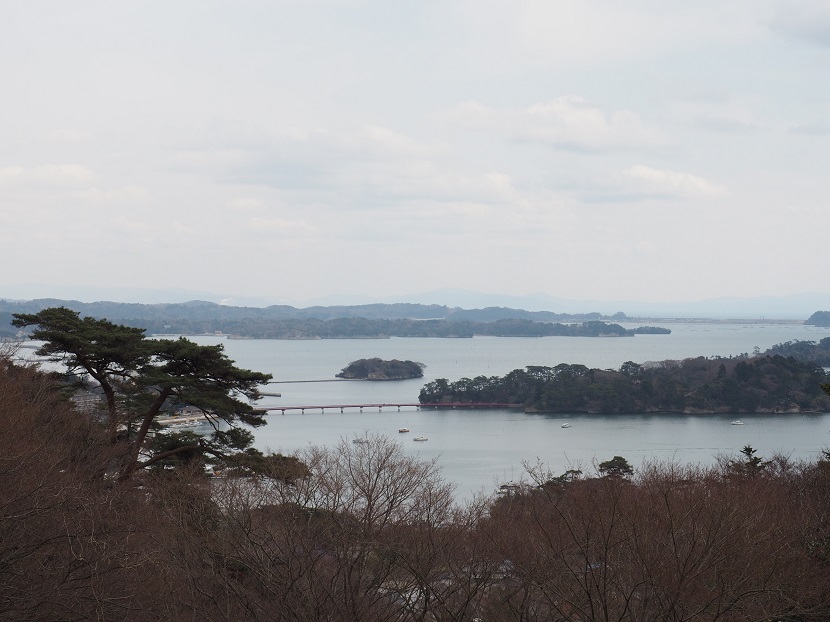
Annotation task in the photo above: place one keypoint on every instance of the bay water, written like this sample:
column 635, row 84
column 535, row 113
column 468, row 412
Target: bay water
column 479, row 449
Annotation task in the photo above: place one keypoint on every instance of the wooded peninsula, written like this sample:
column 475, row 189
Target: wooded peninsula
column 786, row 378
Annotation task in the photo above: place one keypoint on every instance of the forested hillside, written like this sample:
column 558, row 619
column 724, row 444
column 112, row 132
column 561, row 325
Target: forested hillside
column 816, row 352
column 370, row 533
column 770, row 383
column 819, row 318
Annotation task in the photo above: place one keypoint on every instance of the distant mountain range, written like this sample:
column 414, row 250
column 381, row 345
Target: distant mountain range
column 791, row 307
column 196, row 309
column 138, row 304
column 360, row 321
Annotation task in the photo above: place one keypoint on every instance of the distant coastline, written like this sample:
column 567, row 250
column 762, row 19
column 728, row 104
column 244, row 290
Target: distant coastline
column 379, row 321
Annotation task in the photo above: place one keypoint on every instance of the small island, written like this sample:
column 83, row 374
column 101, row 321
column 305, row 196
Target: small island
column 819, row 318
column 378, row 369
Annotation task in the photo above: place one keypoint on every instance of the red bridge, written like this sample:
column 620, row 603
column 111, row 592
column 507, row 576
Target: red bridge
column 380, row 407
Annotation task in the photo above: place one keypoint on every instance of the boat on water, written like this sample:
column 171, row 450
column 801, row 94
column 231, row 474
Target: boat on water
column 566, row 425
column 420, row 438
column 737, row 422
column 190, row 422
column 403, row 430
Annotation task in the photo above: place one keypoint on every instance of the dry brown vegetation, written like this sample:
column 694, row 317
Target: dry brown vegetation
column 373, row 534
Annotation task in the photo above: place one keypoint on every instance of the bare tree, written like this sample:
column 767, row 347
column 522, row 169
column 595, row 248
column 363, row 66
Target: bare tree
column 370, row 534
column 675, row 543
column 71, row 546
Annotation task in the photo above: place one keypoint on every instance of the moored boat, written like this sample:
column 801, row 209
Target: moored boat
column 420, row 438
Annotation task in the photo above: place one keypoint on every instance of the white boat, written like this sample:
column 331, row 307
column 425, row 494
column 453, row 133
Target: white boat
column 403, row 430
column 420, row 438
column 737, row 422
column 566, row 425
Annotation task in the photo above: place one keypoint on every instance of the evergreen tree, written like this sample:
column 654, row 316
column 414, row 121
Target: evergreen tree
column 140, row 378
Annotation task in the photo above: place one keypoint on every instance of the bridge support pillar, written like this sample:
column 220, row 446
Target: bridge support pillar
column 361, row 409
column 341, row 409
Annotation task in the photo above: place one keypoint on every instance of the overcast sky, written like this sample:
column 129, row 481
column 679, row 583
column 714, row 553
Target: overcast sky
column 289, row 150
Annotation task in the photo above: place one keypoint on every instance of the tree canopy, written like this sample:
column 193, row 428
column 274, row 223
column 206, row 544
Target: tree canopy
column 762, row 383
column 141, row 378
column 616, row 467
column 378, row 369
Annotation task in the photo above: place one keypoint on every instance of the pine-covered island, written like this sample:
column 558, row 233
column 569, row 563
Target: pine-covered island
column 378, row 369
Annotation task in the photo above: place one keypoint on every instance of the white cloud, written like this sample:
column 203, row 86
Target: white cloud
column 534, row 34
column 724, row 124
column 812, row 129
column 70, row 135
column 366, row 166
column 396, row 184
column 238, row 136
column 572, row 123
column 123, row 195
column 473, row 114
column 808, row 20
column 375, row 141
column 245, row 204
column 569, row 123
column 650, row 180
column 303, row 158
column 46, row 175
column 285, row 227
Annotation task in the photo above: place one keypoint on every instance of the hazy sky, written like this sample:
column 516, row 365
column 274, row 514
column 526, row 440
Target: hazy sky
column 601, row 149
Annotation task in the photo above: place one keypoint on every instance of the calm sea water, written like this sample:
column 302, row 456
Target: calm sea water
column 479, row 449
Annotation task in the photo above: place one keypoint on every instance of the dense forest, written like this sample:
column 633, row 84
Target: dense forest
column 378, row 369
column 812, row 351
column 367, row 532
column 744, row 384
